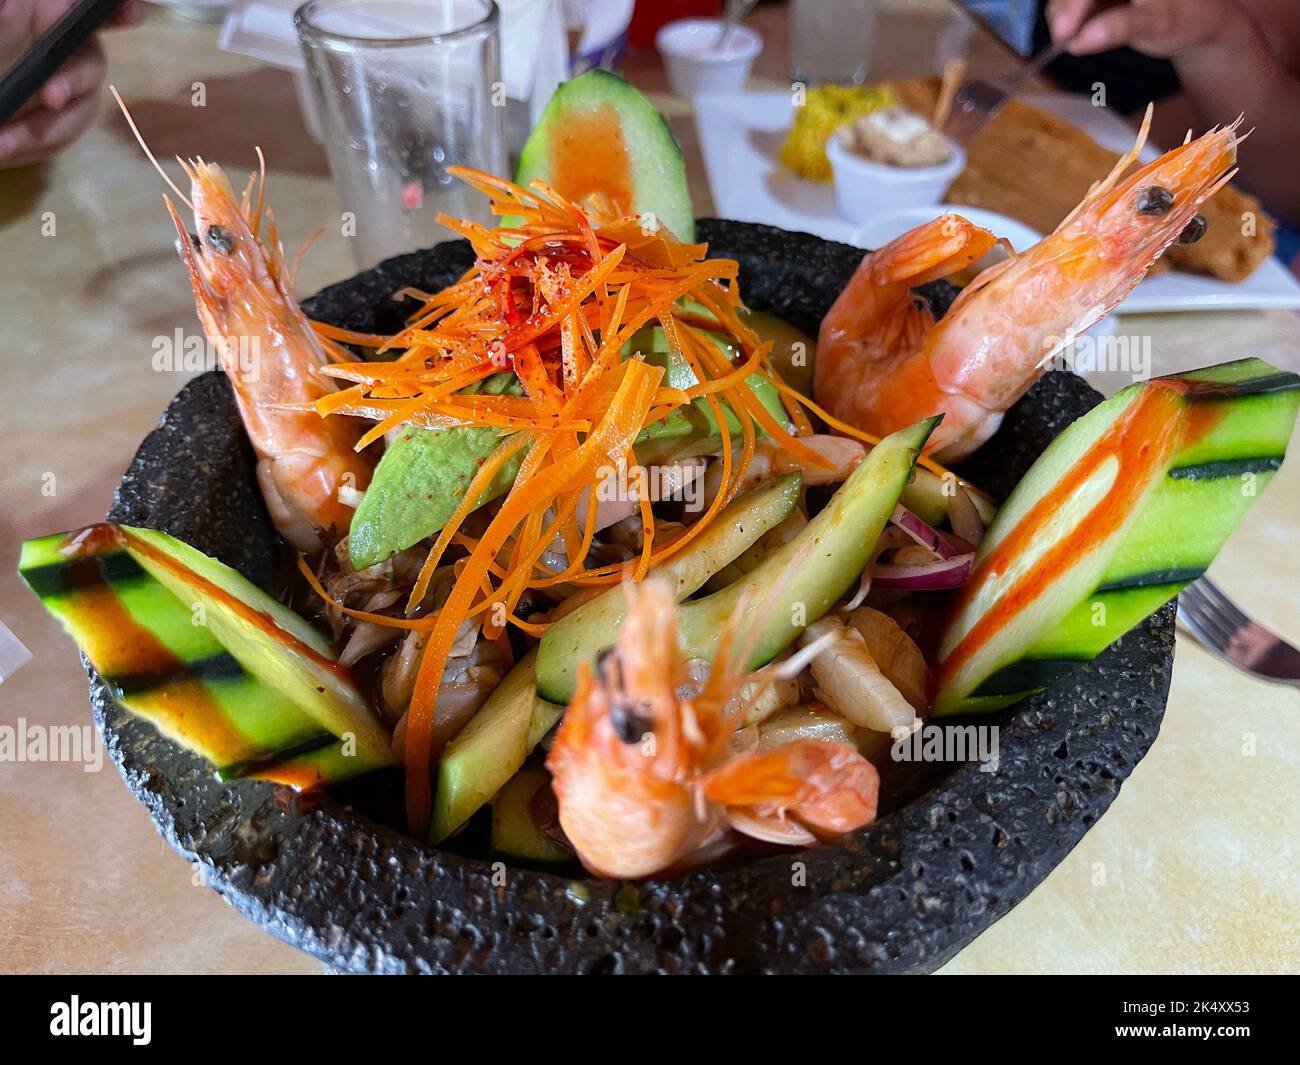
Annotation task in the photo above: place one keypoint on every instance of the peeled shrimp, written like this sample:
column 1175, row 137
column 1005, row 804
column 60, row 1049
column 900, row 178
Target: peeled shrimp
column 849, row 680
column 895, row 653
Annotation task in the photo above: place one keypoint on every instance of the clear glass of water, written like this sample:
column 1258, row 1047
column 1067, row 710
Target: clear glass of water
column 830, row 40
column 405, row 89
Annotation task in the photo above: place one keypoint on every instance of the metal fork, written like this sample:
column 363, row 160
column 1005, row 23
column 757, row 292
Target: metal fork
column 979, row 100
column 1220, row 626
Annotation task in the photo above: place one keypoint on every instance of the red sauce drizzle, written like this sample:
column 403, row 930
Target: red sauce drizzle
column 1156, row 424
column 590, row 156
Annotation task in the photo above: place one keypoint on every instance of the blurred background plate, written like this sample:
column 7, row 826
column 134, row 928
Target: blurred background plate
column 740, row 137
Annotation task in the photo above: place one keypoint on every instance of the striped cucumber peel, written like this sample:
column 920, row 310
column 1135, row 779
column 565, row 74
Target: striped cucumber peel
column 1168, row 538
column 202, row 698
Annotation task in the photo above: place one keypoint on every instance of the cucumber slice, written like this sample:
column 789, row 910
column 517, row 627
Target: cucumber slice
column 268, row 639
column 514, row 831
column 795, row 585
column 598, row 134
column 161, row 666
column 582, row 634
column 1120, row 512
column 490, row 749
column 787, row 591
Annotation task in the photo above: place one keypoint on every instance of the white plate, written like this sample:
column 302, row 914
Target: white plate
column 740, row 137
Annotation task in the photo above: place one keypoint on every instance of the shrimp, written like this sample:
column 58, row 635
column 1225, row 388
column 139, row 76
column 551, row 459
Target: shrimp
column 884, row 362
column 796, row 794
column 646, row 779
column 242, row 294
column 269, row 352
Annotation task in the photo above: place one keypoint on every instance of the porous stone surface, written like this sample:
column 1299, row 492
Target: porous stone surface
column 901, row 896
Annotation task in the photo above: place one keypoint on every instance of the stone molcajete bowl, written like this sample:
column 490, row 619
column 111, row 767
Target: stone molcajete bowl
column 902, row 895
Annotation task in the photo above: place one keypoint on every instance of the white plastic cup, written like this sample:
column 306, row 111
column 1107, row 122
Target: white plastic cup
column 687, row 47
column 864, row 189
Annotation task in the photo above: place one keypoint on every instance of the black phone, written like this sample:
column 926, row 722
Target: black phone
column 21, row 82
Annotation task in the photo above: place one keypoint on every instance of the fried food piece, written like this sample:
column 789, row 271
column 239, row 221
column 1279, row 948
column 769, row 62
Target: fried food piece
column 1239, row 237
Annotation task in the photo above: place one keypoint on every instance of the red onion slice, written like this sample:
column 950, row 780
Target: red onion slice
column 946, row 573
column 926, row 535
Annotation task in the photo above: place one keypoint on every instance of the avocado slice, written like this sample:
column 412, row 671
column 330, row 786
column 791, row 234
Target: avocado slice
column 268, row 639
column 161, row 666
column 1119, row 513
column 420, row 479
column 598, row 134
column 582, row 634
column 514, row 830
column 490, row 749
column 692, row 429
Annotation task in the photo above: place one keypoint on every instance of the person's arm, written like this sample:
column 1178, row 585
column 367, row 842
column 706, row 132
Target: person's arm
column 1226, row 67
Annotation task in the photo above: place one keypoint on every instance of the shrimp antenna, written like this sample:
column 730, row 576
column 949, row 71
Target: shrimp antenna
column 261, row 191
column 141, row 141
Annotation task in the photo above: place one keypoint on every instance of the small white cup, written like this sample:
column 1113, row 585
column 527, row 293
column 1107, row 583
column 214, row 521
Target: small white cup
column 864, row 189
column 687, row 46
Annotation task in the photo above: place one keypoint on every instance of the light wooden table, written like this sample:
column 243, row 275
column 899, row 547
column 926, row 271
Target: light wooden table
column 1193, row 869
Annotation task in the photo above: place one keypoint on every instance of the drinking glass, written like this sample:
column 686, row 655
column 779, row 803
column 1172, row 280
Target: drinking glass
column 830, row 40
column 404, row 89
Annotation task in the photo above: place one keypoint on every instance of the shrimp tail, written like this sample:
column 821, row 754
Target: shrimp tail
column 797, row 793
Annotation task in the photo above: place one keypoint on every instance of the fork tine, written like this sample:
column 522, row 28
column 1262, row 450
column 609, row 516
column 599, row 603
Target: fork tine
column 1210, row 626
column 1197, row 630
column 1221, row 604
column 1223, row 628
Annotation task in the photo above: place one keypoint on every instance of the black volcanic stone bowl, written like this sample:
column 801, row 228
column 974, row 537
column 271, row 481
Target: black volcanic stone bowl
column 901, row 896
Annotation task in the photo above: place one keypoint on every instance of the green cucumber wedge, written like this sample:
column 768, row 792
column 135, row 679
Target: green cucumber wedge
column 582, row 634
column 490, row 749
column 160, row 665
column 795, row 585
column 1124, row 508
column 598, row 134
column 269, row 640
column 514, row 829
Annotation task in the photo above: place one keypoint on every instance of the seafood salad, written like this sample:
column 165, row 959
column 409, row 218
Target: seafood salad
column 619, row 572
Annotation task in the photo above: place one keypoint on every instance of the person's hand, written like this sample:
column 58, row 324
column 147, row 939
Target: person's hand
column 1161, row 28
column 66, row 105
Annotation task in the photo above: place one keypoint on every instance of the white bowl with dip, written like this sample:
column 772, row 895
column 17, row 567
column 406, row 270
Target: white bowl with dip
column 865, row 189
column 693, row 62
